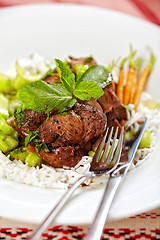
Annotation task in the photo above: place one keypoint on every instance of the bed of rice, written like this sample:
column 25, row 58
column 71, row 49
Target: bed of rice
column 48, row 177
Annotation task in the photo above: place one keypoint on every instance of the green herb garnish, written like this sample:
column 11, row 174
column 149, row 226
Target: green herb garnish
column 40, row 96
column 97, row 74
column 30, row 137
column 19, row 115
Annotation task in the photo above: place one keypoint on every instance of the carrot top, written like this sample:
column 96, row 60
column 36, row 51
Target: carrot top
column 123, row 62
column 134, row 62
column 152, row 59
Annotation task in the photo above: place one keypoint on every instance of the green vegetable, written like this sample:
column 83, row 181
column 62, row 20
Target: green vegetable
column 128, row 135
column 66, row 75
column 3, row 146
column 97, row 74
column 92, row 153
column 11, row 142
column 13, row 105
column 2, row 136
column 5, row 128
column 15, row 135
column 33, row 160
column 26, row 157
column 145, row 140
column 18, row 82
column 80, row 69
column 19, row 154
column 19, row 115
column 3, row 106
column 7, row 142
column 30, row 137
column 87, row 90
column 5, row 84
column 40, row 96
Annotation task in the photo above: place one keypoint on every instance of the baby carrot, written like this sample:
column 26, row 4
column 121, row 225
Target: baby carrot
column 120, row 84
column 134, row 84
column 134, row 65
column 142, row 81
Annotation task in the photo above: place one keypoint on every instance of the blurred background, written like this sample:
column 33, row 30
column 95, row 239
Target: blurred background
column 145, row 9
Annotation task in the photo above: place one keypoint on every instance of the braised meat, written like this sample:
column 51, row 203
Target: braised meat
column 83, row 60
column 62, row 130
column 60, row 157
column 31, row 121
column 53, row 79
column 63, row 156
column 69, row 136
column 94, row 121
column 107, row 100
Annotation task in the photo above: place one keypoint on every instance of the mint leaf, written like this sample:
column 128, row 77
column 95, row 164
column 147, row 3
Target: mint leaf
column 97, row 74
column 30, row 137
column 87, row 90
column 66, row 75
column 40, row 96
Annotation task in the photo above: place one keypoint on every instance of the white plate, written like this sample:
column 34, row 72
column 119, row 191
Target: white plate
column 56, row 31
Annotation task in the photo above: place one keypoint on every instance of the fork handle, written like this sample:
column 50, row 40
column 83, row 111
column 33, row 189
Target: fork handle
column 51, row 216
column 96, row 229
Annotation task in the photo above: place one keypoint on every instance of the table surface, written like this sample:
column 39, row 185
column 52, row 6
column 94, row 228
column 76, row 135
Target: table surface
column 142, row 226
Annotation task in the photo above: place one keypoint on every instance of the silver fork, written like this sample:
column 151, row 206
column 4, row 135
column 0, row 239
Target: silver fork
column 100, row 165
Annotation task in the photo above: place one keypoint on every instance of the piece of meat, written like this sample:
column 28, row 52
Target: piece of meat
column 114, row 123
column 94, row 121
column 31, row 121
column 118, row 111
column 59, row 157
column 53, row 79
column 94, row 104
column 82, row 61
column 63, row 156
column 62, row 130
column 107, row 100
column 112, row 106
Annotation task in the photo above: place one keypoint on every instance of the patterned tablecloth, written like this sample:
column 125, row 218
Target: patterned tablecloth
column 142, row 226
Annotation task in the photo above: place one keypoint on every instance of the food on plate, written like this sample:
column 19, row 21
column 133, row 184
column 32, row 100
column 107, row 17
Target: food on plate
column 52, row 117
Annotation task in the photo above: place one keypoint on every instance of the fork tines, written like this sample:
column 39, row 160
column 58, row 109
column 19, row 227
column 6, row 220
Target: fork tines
column 108, row 154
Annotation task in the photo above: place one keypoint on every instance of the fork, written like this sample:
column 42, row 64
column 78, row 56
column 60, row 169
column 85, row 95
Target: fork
column 101, row 164
column 116, row 176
